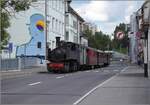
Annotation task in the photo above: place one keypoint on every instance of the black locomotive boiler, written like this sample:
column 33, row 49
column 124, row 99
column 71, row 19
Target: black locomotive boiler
column 68, row 57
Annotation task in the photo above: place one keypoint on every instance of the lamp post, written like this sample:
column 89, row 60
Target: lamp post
column 46, row 29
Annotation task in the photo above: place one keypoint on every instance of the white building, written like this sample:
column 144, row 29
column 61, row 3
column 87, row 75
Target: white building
column 74, row 27
column 91, row 26
column 145, row 28
column 19, row 30
column 140, row 26
column 56, row 18
column 132, row 37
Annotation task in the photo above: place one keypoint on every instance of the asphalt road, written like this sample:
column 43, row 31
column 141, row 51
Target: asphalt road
column 49, row 88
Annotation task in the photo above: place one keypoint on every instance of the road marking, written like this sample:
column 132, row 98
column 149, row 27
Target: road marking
column 95, row 71
column 34, row 83
column 115, row 70
column 67, row 75
column 60, row 77
column 88, row 93
column 10, row 71
column 87, row 71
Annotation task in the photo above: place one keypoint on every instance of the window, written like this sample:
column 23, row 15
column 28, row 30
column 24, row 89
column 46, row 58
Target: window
column 60, row 5
column 62, row 8
column 53, row 20
column 67, row 19
column 60, row 27
column 75, row 39
column 53, row 3
column 67, row 36
column 50, row 3
column 63, row 29
column 56, row 4
column 39, row 44
column 56, row 25
column 74, row 24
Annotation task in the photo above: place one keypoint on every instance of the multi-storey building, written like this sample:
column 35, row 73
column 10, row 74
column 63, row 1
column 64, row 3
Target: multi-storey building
column 144, row 23
column 133, row 39
column 90, row 26
column 41, row 24
column 140, row 37
column 28, row 37
column 74, row 27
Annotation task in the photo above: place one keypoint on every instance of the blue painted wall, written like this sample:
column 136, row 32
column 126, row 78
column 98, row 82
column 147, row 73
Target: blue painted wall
column 31, row 48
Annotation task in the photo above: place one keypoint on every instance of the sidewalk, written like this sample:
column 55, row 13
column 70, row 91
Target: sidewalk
column 22, row 72
column 127, row 88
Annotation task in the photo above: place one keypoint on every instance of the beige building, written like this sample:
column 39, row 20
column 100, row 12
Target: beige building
column 90, row 26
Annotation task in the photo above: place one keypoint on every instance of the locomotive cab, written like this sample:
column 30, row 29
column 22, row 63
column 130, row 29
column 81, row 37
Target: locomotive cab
column 65, row 56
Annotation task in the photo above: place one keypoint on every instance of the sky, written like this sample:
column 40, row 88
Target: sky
column 106, row 14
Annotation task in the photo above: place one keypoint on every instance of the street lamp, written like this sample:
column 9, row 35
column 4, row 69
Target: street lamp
column 46, row 29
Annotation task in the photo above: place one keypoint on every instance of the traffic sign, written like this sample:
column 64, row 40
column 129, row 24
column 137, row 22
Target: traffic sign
column 120, row 35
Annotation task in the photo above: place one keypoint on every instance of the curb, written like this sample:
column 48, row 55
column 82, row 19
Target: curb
column 18, row 73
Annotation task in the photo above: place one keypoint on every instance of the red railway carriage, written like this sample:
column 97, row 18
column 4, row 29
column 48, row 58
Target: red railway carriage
column 100, row 58
column 91, row 56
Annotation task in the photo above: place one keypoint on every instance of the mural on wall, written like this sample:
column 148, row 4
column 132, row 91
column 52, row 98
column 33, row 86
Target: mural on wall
column 36, row 46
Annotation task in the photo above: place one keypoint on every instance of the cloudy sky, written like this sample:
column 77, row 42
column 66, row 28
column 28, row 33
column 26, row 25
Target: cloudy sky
column 106, row 14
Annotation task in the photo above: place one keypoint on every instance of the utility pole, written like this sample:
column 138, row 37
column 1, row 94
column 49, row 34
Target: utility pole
column 148, row 49
column 46, row 33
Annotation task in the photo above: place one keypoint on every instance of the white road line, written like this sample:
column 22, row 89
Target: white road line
column 96, row 71
column 10, row 71
column 34, row 83
column 88, row 93
column 87, row 71
column 67, row 75
column 115, row 70
column 60, row 77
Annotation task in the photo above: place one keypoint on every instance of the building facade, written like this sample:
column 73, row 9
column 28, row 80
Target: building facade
column 90, row 26
column 74, row 27
column 41, row 24
column 56, row 21
column 24, row 36
column 144, row 27
column 133, row 48
column 140, row 28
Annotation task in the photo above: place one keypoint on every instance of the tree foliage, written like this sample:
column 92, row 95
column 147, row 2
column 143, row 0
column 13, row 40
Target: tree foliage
column 8, row 9
column 99, row 40
column 120, row 45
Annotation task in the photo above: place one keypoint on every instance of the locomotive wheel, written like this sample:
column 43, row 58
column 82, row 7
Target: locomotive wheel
column 49, row 69
column 75, row 66
column 67, row 67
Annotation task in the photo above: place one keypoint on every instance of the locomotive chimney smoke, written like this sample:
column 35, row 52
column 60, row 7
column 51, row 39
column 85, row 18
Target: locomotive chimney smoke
column 57, row 41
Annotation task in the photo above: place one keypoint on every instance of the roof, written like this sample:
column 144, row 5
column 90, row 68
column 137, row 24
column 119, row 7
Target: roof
column 71, row 10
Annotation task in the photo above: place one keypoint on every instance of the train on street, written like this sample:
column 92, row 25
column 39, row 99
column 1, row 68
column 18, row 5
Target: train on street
column 70, row 57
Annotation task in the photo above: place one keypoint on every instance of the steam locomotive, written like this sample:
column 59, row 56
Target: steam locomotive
column 69, row 57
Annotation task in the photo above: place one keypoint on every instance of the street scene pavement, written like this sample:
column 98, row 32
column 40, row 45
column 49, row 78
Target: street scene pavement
column 75, row 52
column 127, row 88
column 49, row 88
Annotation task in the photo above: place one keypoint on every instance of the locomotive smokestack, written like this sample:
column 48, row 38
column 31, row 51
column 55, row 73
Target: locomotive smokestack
column 57, row 41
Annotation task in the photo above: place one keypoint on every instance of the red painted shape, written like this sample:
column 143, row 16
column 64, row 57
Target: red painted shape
column 56, row 65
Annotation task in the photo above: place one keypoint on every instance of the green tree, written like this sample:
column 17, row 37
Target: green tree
column 8, row 9
column 122, row 44
column 99, row 40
